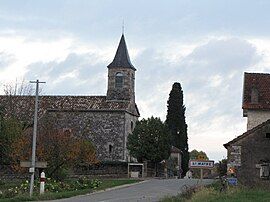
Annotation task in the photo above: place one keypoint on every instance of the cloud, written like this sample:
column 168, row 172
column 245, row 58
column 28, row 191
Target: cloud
column 76, row 74
column 5, row 60
column 211, row 77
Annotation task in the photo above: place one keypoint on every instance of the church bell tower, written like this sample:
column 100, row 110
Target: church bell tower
column 121, row 75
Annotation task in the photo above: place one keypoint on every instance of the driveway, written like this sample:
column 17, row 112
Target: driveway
column 151, row 190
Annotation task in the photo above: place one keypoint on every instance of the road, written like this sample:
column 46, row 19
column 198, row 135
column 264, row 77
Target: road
column 151, row 190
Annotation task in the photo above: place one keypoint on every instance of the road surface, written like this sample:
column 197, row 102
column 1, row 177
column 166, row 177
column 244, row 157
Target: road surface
column 151, row 190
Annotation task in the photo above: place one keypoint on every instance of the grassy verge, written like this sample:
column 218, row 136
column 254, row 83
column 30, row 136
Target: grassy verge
column 113, row 183
column 66, row 194
column 232, row 195
column 212, row 194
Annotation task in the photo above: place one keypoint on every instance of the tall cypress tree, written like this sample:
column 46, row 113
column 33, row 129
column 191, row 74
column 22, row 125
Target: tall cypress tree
column 176, row 122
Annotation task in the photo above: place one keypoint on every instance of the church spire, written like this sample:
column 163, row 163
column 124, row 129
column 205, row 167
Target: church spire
column 121, row 58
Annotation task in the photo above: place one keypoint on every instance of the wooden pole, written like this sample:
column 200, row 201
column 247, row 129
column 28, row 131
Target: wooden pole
column 201, row 175
column 33, row 161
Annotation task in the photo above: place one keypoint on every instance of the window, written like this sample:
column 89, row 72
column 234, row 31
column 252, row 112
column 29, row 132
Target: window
column 264, row 171
column 110, row 149
column 119, row 80
column 131, row 125
column 132, row 81
column 267, row 135
column 254, row 96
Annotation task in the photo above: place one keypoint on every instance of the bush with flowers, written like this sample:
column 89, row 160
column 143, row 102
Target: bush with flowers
column 51, row 185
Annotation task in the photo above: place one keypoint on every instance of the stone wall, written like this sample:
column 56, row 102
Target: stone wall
column 125, row 93
column 106, row 130
column 130, row 123
column 256, row 117
column 102, row 170
column 255, row 149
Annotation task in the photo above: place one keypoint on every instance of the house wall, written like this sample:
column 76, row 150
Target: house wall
column 101, row 128
column 256, row 117
column 255, row 149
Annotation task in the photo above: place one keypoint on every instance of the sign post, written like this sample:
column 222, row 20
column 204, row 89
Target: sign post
column 201, row 164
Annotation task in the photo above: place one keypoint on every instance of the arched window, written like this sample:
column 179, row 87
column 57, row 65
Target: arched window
column 119, row 80
column 254, row 96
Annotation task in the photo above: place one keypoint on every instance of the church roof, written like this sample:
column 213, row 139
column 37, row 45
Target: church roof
column 121, row 58
column 23, row 106
column 261, row 82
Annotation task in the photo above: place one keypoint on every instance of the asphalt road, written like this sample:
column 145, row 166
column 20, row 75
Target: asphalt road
column 151, row 190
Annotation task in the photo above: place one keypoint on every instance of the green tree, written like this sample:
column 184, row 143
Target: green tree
column 193, row 155
column 150, row 140
column 10, row 130
column 177, row 124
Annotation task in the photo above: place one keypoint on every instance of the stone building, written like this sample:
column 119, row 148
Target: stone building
column 249, row 154
column 256, row 98
column 105, row 120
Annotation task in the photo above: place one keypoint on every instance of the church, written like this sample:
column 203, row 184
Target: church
column 104, row 120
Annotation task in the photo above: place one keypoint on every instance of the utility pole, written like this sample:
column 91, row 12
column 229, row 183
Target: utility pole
column 33, row 162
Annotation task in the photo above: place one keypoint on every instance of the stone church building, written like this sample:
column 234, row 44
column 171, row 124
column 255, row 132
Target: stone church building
column 104, row 120
column 249, row 154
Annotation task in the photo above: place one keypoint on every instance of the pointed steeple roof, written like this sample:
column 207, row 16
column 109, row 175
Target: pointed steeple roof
column 121, row 58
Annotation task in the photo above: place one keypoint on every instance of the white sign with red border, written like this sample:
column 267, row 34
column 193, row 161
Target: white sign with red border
column 201, row 164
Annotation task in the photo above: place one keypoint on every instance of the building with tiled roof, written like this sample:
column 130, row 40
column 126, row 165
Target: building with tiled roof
column 248, row 155
column 105, row 120
column 256, row 98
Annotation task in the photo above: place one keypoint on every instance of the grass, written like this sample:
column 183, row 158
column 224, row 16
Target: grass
column 232, row 195
column 65, row 194
column 212, row 194
column 113, row 183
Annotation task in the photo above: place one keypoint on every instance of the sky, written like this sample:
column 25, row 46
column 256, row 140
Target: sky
column 205, row 45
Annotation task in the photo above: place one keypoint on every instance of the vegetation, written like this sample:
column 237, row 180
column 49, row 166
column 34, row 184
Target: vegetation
column 222, row 167
column 177, row 124
column 10, row 130
column 193, row 155
column 60, row 149
column 19, row 191
column 150, row 140
column 10, row 127
column 212, row 193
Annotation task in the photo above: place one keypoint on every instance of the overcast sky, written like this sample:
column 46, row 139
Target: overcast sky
column 204, row 45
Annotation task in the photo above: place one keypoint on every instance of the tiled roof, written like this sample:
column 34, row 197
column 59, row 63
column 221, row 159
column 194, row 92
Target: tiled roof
column 261, row 82
column 23, row 106
column 121, row 58
column 247, row 133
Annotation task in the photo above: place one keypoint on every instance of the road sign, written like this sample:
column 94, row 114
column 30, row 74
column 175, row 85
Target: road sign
column 232, row 181
column 201, row 164
column 38, row 164
column 201, row 157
